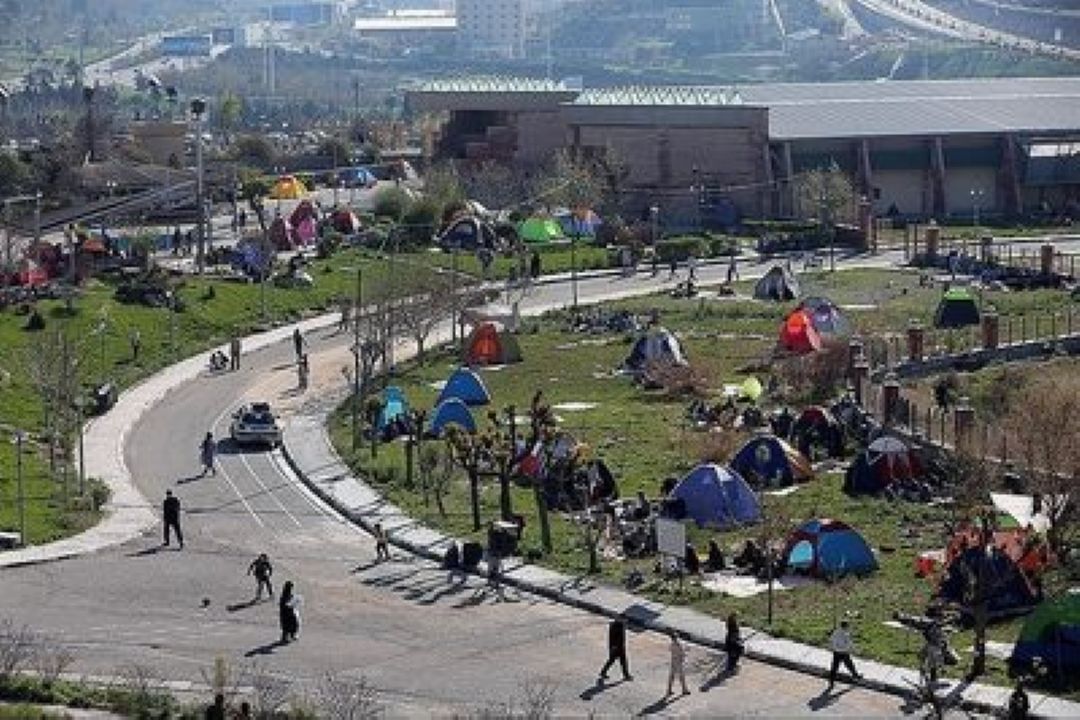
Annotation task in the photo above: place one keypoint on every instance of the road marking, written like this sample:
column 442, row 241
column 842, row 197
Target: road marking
column 273, row 496
column 224, row 472
column 278, row 461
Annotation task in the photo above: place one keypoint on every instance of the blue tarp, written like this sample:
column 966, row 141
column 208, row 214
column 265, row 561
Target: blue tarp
column 452, row 411
column 466, row 386
column 717, row 497
column 394, row 405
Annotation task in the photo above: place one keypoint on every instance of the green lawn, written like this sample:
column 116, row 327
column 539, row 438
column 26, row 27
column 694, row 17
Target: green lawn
column 643, row 437
column 233, row 308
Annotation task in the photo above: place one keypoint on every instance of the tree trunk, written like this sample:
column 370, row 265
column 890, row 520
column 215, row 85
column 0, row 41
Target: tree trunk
column 506, row 508
column 419, row 350
column 542, row 514
column 474, row 496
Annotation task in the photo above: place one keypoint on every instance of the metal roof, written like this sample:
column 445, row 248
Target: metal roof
column 642, row 95
column 492, row 84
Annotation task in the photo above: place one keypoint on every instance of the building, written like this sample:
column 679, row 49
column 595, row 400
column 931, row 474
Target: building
column 408, row 29
column 186, row 45
column 491, row 28
column 312, row 14
column 912, row 148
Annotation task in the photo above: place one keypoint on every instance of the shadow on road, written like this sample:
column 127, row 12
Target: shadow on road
column 235, row 607
column 267, row 649
column 826, row 698
column 660, row 705
column 716, row 679
column 600, row 686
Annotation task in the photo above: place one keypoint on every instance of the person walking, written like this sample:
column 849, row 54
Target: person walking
column 289, row 613
column 382, row 547
column 262, row 570
column 170, row 510
column 617, row 649
column 217, row 710
column 733, row 645
column 298, row 343
column 534, row 265
column 732, row 270
column 207, row 450
column 136, row 345
column 234, row 353
column 673, row 266
column 678, row 664
column 691, row 267
column 345, row 322
column 1019, row 704
column 842, row 645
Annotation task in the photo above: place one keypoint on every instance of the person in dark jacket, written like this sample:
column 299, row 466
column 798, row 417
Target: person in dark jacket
column 289, row 613
column 534, row 265
column 733, row 644
column 207, row 450
column 262, row 570
column 170, row 509
column 616, row 649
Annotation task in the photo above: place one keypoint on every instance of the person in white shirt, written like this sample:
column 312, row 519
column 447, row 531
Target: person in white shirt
column 678, row 664
column 842, row 645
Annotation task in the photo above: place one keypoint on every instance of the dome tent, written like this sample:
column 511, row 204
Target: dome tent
column 538, row 230
column 287, row 187
column 817, row 425
column 1009, row 592
column 825, row 316
column 770, row 461
column 657, row 345
column 829, row 549
column 490, row 344
column 466, row 386
column 469, row 234
column 451, row 412
column 778, row 284
column 717, row 497
column 885, row 461
column 957, row 309
column 394, row 405
column 798, row 334
column 1050, row 638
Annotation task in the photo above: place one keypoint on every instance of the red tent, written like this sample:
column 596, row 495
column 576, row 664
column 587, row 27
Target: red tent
column 797, row 333
column 30, row 274
column 490, row 345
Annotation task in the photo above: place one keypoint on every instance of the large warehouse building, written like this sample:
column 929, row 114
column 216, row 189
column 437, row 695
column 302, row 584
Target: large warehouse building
column 916, row 148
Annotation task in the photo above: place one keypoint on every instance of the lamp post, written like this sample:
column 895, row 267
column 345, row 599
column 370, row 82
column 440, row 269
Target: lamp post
column 356, row 350
column 20, row 438
column 80, row 413
column 198, row 108
column 976, row 200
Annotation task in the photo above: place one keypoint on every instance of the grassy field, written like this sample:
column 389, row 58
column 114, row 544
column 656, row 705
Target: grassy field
column 644, row 438
column 101, row 329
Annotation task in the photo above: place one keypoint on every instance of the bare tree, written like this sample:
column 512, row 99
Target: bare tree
column 51, row 659
column 421, row 314
column 345, row 698
column 16, row 647
column 494, row 185
column 270, row 692
column 826, row 194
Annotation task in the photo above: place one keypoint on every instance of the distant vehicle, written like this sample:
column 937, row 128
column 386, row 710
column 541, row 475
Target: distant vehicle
column 255, row 424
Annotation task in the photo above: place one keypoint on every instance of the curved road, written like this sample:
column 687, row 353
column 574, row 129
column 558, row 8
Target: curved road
column 428, row 645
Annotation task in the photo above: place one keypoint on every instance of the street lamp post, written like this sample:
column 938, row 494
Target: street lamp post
column 198, row 108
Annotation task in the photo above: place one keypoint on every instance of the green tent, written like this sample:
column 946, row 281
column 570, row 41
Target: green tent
column 540, row 230
column 957, row 309
column 1051, row 637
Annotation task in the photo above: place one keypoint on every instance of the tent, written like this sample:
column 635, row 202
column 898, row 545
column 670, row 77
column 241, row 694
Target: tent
column 281, row 235
column 657, row 345
column 287, row 187
column 571, row 224
column 466, row 386
column 394, row 405
column 797, row 333
column 468, row 233
column 885, row 461
column 30, row 273
column 1051, row 638
column 777, row 284
column 345, row 221
column 768, row 460
column 717, row 497
column 304, row 210
column 957, row 309
column 490, row 344
column 829, row 548
column 540, row 230
column 1007, row 588
column 816, row 423
column 451, row 412
column 358, row 177
column 825, row 316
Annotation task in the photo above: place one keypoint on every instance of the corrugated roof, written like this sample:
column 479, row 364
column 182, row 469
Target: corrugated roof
column 492, row 84
column 646, row 95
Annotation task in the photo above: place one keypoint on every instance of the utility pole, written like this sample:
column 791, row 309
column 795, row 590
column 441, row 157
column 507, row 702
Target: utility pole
column 20, row 438
column 356, row 359
column 198, row 107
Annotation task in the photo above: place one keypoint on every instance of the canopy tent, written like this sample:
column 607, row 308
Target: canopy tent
column 717, row 497
column 818, row 425
column 885, row 461
column 778, row 284
column 767, row 460
column 287, row 187
column 957, row 309
column 451, row 411
column 466, row 386
column 829, row 549
column 394, row 406
column 1007, row 589
column 540, row 230
column 490, row 344
column 825, row 316
column 468, row 233
column 1050, row 638
column 659, row 346
column 797, row 333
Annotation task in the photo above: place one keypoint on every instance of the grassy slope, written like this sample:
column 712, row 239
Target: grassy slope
column 644, row 439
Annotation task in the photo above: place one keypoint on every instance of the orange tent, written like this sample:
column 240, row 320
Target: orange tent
column 797, row 333
column 489, row 344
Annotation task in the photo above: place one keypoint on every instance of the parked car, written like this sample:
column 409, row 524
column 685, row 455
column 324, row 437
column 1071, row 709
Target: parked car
column 255, row 424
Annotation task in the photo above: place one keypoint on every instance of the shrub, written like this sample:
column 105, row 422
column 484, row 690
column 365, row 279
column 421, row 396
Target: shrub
column 419, row 222
column 681, row 248
column 676, row 381
column 391, row 203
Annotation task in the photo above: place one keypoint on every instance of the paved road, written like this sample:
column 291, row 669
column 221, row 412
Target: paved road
column 427, row 644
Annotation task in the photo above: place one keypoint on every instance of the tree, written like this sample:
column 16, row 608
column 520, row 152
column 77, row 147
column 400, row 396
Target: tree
column 421, row 314
column 826, row 194
column 14, row 175
column 470, row 453
column 254, row 150
column 230, row 110
column 494, row 185
column 339, row 149
column 573, row 182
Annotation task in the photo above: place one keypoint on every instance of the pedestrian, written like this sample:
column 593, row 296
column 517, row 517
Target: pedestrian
column 136, row 345
column 302, row 371
column 691, row 266
column 655, row 263
column 1019, row 704
column 616, row 648
column 534, row 265
column 842, row 645
column 217, row 710
column 674, row 266
column 486, row 257
column 245, row 711
column 289, row 613
column 189, row 242
column 732, row 270
column 678, row 664
column 733, row 645
column 170, row 510
column 523, row 267
column 177, row 240
column 243, row 219
column 207, row 450
column 234, row 353
column 298, row 342
column 262, row 570
column 346, row 316
column 382, row 547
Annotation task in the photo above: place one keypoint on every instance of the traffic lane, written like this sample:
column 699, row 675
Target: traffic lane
column 423, row 641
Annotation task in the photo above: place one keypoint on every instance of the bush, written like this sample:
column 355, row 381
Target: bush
column 722, row 245
column 682, row 248
column 419, row 222
column 391, row 203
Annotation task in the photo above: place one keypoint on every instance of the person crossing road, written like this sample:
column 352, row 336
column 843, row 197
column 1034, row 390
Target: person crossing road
column 170, row 510
column 207, row 450
column 262, row 570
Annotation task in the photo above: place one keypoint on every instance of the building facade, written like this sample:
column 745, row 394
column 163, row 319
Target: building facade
column 491, row 28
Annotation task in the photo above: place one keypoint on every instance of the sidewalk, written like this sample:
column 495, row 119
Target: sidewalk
column 308, row 450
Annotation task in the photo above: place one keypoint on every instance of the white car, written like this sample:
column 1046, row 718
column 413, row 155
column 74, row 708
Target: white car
column 255, row 424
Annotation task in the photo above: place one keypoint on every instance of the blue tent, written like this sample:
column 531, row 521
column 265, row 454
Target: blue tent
column 717, row 497
column 451, row 411
column 394, row 405
column 466, row 386
column 1050, row 638
column 830, row 549
column 768, row 460
column 1009, row 592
